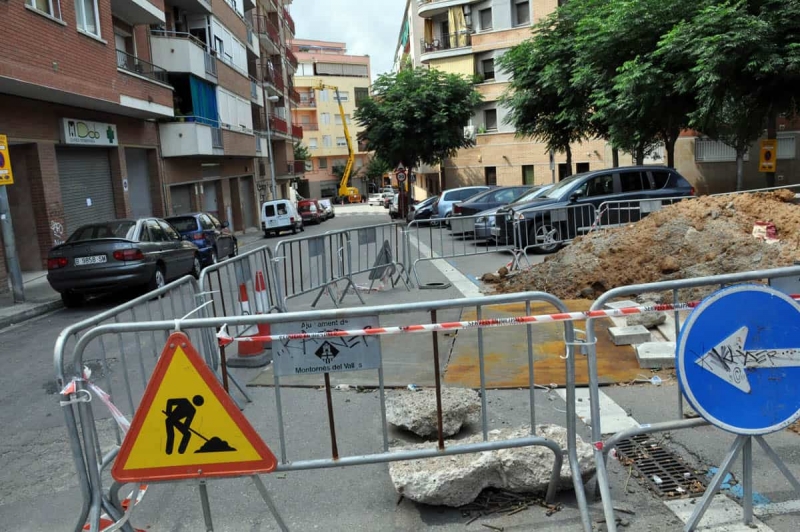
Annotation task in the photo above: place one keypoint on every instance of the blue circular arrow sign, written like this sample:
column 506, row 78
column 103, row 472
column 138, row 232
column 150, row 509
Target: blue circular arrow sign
column 738, row 359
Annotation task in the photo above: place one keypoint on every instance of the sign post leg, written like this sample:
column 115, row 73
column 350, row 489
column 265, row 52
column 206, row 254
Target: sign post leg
column 14, row 272
column 716, row 482
column 262, row 489
column 747, row 480
column 206, row 506
column 778, row 463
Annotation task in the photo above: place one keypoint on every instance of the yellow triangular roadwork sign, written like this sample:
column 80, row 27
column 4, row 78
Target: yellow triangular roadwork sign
column 187, row 426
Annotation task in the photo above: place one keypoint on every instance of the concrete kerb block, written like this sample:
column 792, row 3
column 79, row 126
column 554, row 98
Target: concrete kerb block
column 636, row 334
column 255, row 361
column 656, row 355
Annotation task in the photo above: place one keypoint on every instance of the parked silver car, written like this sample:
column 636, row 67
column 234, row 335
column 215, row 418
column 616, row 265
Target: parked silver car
column 444, row 207
column 327, row 205
column 486, row 219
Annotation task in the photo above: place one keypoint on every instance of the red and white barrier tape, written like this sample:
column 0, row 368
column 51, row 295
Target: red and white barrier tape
column 225, row 339
column 116, row 413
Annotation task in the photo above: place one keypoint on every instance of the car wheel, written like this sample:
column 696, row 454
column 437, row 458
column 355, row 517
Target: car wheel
column 72, row 300
column 545, row 237
column 214, row 258
column 266, row 233
column 235, row 249
column 447, row 217
column 302, row 228
column 158, row 280
column 196, row 267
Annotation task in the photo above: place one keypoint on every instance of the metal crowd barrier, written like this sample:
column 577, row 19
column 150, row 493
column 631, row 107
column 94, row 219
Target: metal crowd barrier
column 318, row 263
column 118, row 364
column 617, row 213
column 602, row 447
column 461, row 239
column 549, row 229
column 87, row 440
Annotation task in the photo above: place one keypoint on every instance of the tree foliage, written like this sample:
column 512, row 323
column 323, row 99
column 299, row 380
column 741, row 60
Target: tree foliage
column 301, row 152
column 417, row 116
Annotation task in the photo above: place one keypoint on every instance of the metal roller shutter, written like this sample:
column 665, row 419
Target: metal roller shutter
column 86, row 190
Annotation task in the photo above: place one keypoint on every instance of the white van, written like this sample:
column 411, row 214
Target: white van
column 280, row 215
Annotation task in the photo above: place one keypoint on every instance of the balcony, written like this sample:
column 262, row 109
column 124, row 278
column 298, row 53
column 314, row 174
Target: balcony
column 307, row 126
column 200, row 7
column 306, row 102
column 278, row 125
column 261, row 144
column 252, row 37
column 294, row 96
column 183, row 52
column 268, row 33
column 449, row 45
column 289, row 21
column 297, row 132
column 140, row 67
column 431, row 8
column 291, row 58
column 292, row 169
column 256, row 94
column 188, row 138
column 137, row 11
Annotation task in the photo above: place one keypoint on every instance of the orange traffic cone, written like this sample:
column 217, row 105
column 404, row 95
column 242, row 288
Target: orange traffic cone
column 247, row 349
column 262, row 306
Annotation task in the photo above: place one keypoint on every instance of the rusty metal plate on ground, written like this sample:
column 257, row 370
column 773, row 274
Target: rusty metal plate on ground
column 506, row 351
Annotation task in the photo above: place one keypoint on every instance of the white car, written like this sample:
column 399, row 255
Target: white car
column 376, row 198
column 394, row 208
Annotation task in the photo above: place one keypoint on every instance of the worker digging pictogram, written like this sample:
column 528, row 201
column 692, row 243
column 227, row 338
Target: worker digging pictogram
column 327, row 352
column 180, row 412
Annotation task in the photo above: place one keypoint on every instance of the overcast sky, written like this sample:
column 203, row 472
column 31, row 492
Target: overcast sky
column 368, row 27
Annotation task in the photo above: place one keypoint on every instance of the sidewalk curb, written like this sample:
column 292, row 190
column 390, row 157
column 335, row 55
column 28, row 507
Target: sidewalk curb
column 27, row 314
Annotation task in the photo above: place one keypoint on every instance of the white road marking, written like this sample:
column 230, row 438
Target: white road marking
column 612, row 417
column 777, row 508
column 724, row 515
column 460, row 281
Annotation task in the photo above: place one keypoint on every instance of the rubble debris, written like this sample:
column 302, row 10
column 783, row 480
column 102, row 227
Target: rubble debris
column 416, row 410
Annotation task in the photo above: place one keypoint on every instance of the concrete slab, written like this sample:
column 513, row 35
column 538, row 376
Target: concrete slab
column 629, row 335
column 724, row 515
column 506, row 352
column 656, row 355
column 622, row 304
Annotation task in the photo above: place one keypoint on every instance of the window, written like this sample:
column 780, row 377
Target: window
column 157, row 233
column 312, row 143
column 206, row 223
column 323, row 95
column 325, row 118
column 229, row 49
column 581, row 168
column 490, row 173
column 305, row 69
column 527, row 174
column 362, row 93
column 214, row 221
column 87, row 20
column 338, row 120
column 341, row 141
column 47, row 7
column 269, row 210
column 660, row 178
column 631, row 181
column 487, row 67
column 490, row 119
column 219, row 46
column 522, row 13
column 600, row 185
column 234, row 111
column 485, row 16
column 344, row 96
column 323, row 163
column 326, row 141
column 170, row 231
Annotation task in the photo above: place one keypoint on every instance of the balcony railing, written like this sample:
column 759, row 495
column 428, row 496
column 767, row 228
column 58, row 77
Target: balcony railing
column 306, row 102
column 294, row 95
column 211, row 64
column 289, row 20
column 295, row 167
column 297, row 131
column 133, row 64
column 210, row 61
column 291, row 58
column 447, row 42
column 278, row 124
column 310, row 127
column 216, row 137
column 264, row 26
column 253, row 88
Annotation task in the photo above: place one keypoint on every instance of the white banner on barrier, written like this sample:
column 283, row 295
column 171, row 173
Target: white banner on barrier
column 326, row 355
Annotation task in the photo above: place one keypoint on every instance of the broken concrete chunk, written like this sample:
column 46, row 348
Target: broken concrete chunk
column 651, row 320
column 416, row 411
column 629, row 335
column 457, row 480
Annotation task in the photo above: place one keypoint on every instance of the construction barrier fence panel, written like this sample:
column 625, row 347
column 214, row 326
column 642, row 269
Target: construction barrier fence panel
column 307, row 338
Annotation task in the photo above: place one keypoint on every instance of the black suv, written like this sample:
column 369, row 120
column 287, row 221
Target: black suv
column 572, row 206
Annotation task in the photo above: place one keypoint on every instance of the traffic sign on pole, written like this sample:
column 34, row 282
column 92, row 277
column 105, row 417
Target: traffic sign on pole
column 401, row 177
column 766, row 160
column 738, row 359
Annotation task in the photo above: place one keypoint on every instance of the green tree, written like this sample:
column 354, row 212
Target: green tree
column 417, row 116
column 301, row 152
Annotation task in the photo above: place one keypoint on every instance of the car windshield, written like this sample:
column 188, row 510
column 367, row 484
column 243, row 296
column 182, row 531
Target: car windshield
column 183, row 223
column 563, row 187
column 535, row 192
column 306, row 207
column 121, row 229
column 325, row 203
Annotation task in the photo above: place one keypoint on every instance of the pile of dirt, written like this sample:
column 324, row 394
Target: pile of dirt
column 693, row 238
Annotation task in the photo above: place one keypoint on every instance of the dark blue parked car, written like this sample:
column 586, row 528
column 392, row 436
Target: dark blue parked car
column 213, row 237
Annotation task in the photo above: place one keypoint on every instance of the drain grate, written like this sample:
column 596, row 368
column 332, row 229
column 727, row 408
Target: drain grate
column 665, row 473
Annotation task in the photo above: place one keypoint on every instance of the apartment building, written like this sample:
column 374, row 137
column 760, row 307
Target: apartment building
column 329, row 64
column 467, row 37
column 125, row 108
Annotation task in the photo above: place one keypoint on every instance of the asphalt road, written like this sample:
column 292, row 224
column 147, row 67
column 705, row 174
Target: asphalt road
column 39, row 490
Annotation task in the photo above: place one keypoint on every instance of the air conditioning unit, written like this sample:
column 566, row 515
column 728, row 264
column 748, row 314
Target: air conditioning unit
column 469, row 132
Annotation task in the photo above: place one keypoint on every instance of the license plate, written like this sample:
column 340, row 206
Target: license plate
column 95, row 259
column 496, row 231
column 273, row 222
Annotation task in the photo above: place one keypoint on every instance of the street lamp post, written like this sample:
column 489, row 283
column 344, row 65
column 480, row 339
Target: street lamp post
column 272, row 184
